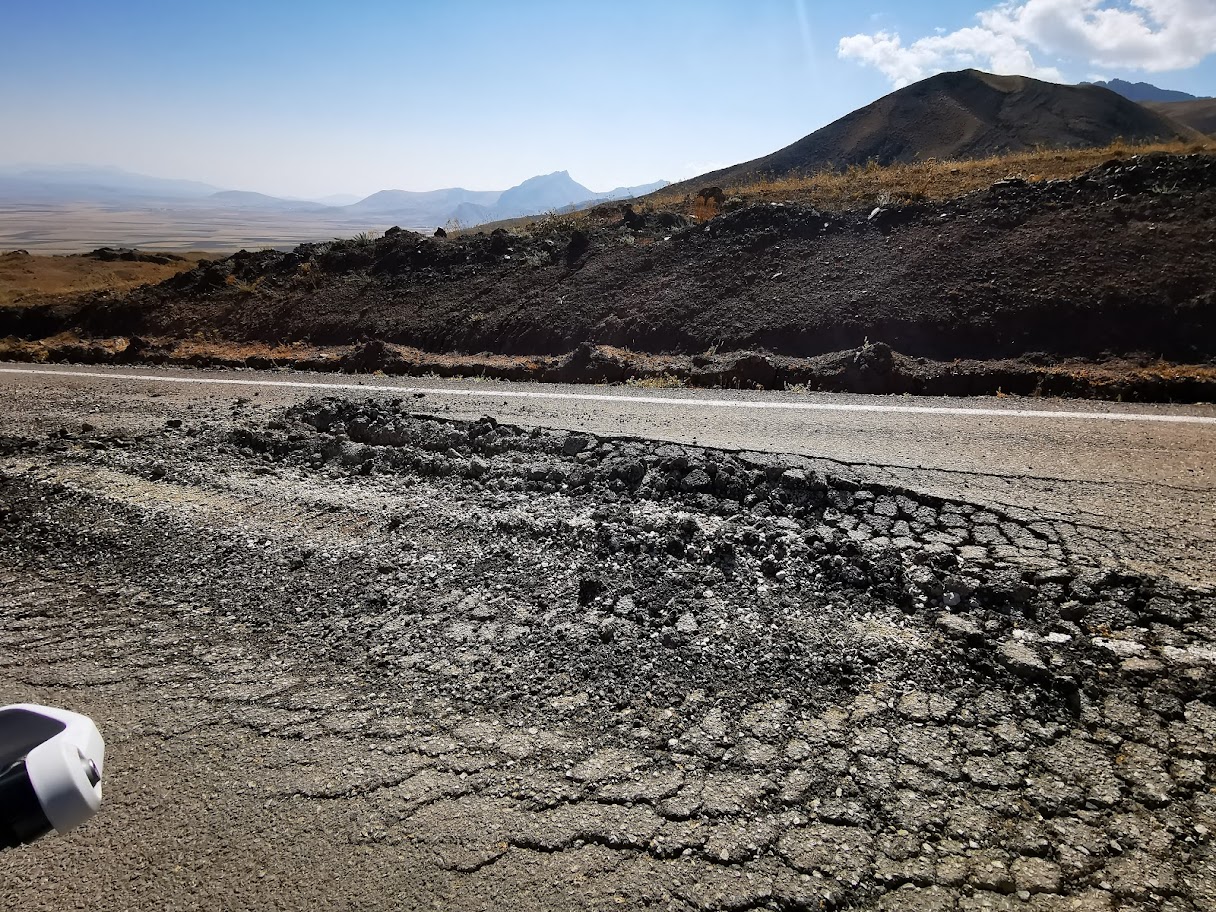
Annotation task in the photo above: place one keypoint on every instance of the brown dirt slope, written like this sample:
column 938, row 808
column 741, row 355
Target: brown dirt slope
column 1119, row 260
column 966, row 114
column 27, row 278
column 1199, row 114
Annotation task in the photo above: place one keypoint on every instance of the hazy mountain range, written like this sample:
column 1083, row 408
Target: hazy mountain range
column 113, row 187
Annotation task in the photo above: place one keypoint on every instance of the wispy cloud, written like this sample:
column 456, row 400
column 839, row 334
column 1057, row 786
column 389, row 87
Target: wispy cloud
column 699, row 166
column 1149, row 35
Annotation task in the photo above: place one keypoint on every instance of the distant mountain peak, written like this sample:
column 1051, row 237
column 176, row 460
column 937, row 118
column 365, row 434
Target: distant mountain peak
column 537, row 194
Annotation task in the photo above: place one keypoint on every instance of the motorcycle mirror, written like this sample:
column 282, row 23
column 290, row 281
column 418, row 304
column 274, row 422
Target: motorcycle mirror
column 50, row 771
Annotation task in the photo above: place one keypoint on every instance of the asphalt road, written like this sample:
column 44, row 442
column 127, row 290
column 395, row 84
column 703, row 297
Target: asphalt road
column 399, row 689
column 1144, row 473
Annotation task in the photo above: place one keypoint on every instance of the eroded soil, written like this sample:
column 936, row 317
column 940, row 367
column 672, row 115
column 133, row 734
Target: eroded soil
column 347, row 655
column 871, row 368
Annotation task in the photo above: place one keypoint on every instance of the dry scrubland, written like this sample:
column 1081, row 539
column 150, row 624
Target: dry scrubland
column 29, row 279
column 865, row 185
column 850, row 188
column 871, row 184
column 71, row 227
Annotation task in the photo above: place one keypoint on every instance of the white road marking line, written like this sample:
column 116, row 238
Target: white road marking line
column 649, row 400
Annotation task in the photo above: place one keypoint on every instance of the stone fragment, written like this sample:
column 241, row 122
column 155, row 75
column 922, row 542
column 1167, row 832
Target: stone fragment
column 575, row 444
column 960, row 628
column 687, row 623
column 839, row 852
column 1022, row 660
column 1037, row 875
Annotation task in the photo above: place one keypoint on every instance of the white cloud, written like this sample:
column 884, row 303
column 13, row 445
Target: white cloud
column 698, row 167
column 1150, row 35
column 969, row 47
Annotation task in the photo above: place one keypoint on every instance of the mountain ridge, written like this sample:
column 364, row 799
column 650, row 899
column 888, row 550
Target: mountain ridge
column 1143, row 91
column 93, row 183
column 249, row 199
column 115, row 187
column 962, row 114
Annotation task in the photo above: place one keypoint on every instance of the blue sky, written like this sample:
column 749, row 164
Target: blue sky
column 307, row 98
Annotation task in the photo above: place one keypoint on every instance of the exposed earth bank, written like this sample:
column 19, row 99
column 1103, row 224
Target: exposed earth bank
column 1117, row 263
column 871, row 368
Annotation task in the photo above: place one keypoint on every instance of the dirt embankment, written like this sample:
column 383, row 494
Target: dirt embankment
column 1118, row 262
column 871, row 368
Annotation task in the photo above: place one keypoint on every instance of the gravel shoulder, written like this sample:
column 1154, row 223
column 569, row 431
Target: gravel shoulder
column 349, row 654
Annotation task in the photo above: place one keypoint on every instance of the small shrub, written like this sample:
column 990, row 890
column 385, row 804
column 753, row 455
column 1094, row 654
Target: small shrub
column 657, row 381
column 555, row 222
column 244, row 288
column 705, row 208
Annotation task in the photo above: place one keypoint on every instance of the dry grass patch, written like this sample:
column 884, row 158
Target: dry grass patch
column 866, row 185
column 30, row 278
column 1158, row 372
column 658, row 382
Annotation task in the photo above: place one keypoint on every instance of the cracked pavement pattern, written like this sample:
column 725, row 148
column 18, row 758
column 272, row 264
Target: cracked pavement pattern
column 349, row 655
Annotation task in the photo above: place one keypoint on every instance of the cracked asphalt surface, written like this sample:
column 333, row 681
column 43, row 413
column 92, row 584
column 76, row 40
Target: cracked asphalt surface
column 377, row 652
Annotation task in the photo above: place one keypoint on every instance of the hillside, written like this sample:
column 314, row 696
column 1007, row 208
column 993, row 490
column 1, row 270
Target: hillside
column 1115, row 262
column 247, row 199
column 418, row 209
column 1199, row 114
column 27, row 280
column 965, row 114
column 89, row 184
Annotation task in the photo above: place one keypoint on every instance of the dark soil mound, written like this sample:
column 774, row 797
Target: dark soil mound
column 1120, row 260
column 967, row 114
column 130, row 255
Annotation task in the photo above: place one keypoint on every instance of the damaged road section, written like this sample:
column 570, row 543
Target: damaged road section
column 550, row 669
